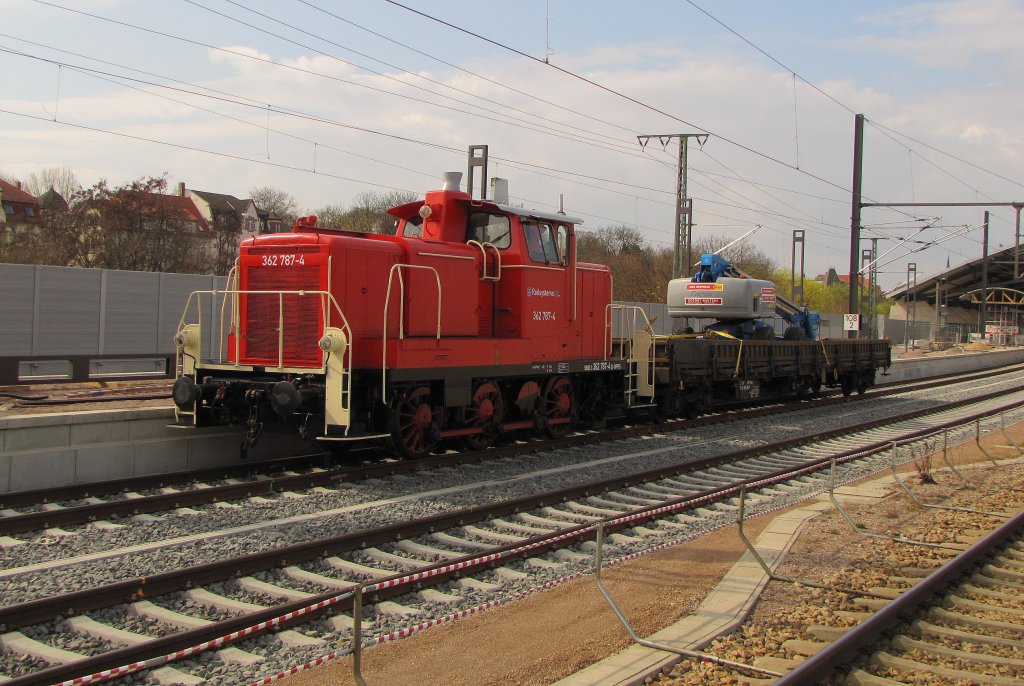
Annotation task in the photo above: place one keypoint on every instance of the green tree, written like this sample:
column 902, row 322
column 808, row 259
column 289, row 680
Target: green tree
column 331, row 216
column 817, row 296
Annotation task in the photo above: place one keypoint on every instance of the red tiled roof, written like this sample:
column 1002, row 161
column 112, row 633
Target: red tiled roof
column 187, row 206
column 177, row 204
column 12, row 193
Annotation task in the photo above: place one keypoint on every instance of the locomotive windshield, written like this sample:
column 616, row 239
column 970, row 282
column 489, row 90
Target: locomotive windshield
column 489, row 228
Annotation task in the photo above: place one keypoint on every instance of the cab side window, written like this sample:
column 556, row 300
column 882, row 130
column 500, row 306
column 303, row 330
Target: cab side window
column 413, row 228
column 489, row 228
column 563, row 244
column 541, row 243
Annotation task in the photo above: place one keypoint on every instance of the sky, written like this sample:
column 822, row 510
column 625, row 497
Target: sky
column 327, row 99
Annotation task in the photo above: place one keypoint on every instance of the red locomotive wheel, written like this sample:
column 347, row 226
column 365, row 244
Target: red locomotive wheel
column 414, row 426
column 486, row 412
column 557, row 405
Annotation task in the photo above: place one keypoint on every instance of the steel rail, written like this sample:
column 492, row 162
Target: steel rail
column 48, row 609
column 850, row 647
column 265, row 485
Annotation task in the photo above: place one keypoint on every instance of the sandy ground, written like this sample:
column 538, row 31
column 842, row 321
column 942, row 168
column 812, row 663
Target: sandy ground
column 555, row 633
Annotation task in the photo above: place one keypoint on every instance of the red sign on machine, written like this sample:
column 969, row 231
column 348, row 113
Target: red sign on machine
column 703, row 286
column 767, row 295
column 703, row 301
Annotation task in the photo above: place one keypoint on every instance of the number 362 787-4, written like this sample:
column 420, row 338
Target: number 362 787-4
column 283, row 260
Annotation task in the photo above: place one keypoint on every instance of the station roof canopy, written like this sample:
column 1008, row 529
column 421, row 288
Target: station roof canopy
column 1006, row 288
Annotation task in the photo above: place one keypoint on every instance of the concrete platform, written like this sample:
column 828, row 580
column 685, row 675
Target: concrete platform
column 941, row 364
column 60, row 449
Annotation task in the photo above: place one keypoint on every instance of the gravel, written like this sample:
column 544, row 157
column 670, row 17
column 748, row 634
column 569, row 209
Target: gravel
column 504, row 479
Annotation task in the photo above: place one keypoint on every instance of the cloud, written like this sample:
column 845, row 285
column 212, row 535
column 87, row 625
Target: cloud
column 951, row 34
column 594, row 160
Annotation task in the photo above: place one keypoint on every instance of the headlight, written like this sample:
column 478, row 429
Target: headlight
column 334, row 343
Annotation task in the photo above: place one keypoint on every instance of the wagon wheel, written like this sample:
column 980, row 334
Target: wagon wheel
column 557, row 402
column 848, row 382
column 414, row 423
column 862, row 383
column 487, row 412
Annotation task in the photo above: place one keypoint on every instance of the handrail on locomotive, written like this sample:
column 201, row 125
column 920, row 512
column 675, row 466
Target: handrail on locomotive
column 397, row 269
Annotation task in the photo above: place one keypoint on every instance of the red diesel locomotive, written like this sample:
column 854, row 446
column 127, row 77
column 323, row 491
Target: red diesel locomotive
column 474, row 319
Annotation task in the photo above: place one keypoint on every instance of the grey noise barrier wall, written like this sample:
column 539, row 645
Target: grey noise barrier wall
column 69, row 324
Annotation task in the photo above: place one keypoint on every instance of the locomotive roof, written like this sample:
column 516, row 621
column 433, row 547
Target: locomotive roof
column 410, row 209
column 550, row 216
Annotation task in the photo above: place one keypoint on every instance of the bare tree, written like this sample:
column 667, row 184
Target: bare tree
column 743, row 255
column 60, row 179
column 331, row 216
column 368, row 213
column 641, row 271
column 135, row 227
column 227, row 232
column 275, row 201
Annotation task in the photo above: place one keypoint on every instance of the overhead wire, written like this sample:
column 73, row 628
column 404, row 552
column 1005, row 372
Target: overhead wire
column 330, row 77
column 950, row 155
column 405, row 138
column 234, row 99
column 126, row 24
column 639, row 102
column 845, row 106
column 493, row 82
column 609, row 139
column 112, row 78
column 207, row 151
column 619, row 94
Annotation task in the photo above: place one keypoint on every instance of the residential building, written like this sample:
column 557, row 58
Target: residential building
column 223, row 210
column 19, row 207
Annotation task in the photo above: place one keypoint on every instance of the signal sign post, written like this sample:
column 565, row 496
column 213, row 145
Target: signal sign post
column 851, row 322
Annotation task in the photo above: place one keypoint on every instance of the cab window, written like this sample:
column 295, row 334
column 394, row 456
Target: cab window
column 489, row 228
column 413, row 227
column 563, row 243
column 541, row 243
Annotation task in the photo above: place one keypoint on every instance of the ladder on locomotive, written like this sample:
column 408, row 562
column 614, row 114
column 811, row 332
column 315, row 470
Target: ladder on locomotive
column 635, row 346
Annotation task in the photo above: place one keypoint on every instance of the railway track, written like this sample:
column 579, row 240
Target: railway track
column 974, row 599
column 416, row 571
column 943, row 604
column 28, row 511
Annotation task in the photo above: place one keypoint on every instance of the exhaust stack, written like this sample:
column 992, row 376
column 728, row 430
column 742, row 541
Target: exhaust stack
column 452, row 181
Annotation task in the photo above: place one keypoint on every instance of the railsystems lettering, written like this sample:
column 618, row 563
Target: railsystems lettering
column 541, row 293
